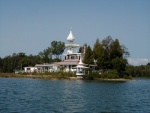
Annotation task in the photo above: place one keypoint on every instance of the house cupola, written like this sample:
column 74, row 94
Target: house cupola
column 70, row 37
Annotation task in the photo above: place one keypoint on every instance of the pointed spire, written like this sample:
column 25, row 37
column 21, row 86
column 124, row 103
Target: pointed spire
column 70, row 37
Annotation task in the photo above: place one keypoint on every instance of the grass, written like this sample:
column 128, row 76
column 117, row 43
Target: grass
column 46, row 75
column 108, row 75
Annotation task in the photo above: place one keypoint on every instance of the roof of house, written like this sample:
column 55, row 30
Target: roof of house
column 68, row 62
column 46, row 64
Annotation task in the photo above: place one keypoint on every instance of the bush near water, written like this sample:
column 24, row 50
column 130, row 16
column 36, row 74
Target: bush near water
column 109, row 74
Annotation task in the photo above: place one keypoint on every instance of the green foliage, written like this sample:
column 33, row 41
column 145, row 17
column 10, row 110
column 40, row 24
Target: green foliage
column 109, row 54
column 57, row 48
column 1, row 65
column 88, row 59
column 148, row 64
column 56, row 60
column 81, row 50
column 125, row 51
column 111, row 74
column 46, row 55
column 18, row 61
column 115, row 50
column 131, row 70
column 127, row 77
column 119, row 64
column 97, row 49
column 9, row 63
column 101, row 53
column 92, row 76
column 138, row 71
column 59, row 75
column 46, row 75
column 88, row 77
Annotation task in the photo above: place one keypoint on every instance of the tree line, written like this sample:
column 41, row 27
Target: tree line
column 17, row 61
column 108, row 54
column 139, row 71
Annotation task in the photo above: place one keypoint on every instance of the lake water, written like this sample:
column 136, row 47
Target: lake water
column 73, row 96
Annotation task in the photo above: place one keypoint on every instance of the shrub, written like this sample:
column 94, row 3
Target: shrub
column 113, row 74
column 92, row 76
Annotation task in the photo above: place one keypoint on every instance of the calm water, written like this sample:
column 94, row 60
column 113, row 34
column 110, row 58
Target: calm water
column 65, row 96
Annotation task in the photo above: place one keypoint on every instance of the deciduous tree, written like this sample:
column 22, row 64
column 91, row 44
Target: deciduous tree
column 57, row 48
column 46, row 55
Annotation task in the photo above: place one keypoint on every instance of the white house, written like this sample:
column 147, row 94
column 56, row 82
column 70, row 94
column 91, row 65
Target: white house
column 71, row 57
column 72, row 61
column 47, row 67
column 30, row 69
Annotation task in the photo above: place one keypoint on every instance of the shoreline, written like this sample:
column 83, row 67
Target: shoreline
column 13, row 75
column 114, row 80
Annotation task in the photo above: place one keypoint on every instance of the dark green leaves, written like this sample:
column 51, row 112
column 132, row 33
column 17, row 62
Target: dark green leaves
column 57, row 48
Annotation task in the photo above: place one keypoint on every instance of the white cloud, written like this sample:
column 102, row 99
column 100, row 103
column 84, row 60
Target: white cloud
column 138, row 61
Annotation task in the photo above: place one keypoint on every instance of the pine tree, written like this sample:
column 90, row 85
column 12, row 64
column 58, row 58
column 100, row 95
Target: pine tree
column 96, row 48
column 88, row 58
column 116, row 50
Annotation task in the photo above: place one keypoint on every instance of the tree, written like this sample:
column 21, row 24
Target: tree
column 109, row 54
column 82, row 48
column 100, row 56
column 96, row 49
column 17, row 58
column 119, row 64
column 1, row 65
column 126, row 53
column 46, row 55
column 88, row 59
column 21, row 55
column 7, row 64
column 130, row 69
column 29, row 61
column 115, row 50
column 57, row 48
column 101, row 53
column 139, row 71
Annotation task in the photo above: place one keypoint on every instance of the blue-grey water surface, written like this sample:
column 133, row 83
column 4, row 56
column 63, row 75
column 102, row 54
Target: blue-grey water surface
column 73, row 96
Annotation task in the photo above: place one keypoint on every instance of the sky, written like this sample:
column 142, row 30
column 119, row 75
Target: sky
column 30, row 26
